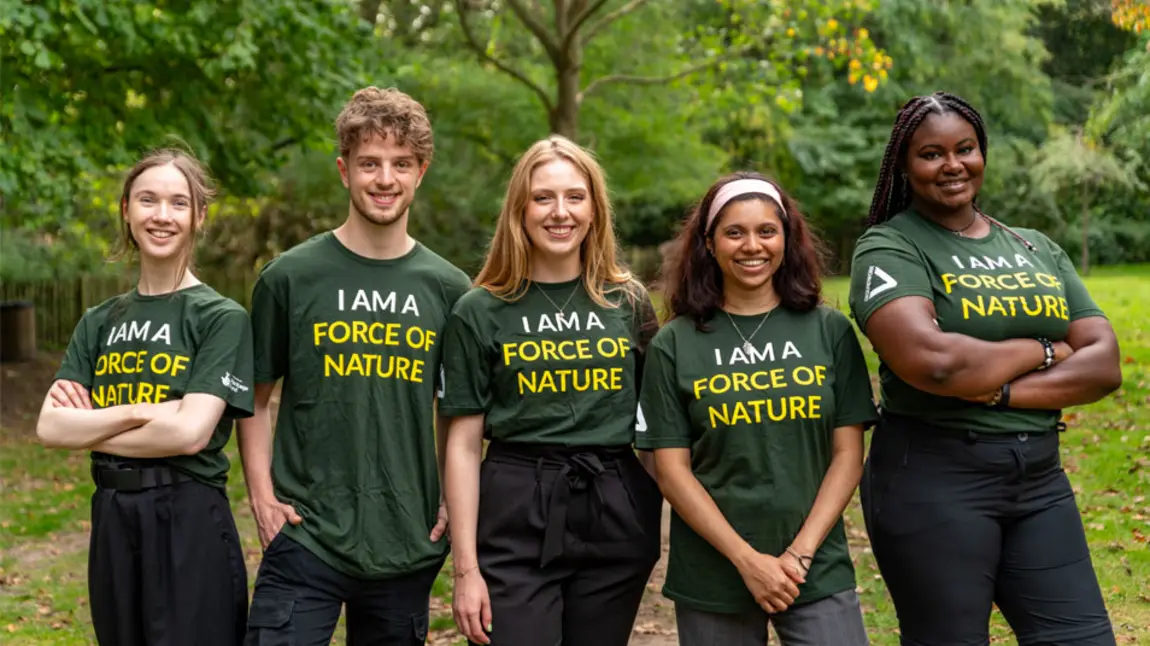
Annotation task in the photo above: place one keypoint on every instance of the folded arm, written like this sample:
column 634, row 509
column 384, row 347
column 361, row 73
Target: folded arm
column 1091, row 373
column 60, row 427
column 907, row 338
column 182, row 427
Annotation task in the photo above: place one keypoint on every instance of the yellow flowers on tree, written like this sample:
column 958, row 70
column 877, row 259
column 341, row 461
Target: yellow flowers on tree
column 564, row 52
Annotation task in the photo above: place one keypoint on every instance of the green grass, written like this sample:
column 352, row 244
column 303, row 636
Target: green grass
column 44, row 504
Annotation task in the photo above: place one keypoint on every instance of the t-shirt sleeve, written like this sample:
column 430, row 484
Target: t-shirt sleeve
column 223, row 362
column 886, row 266
column 80, row 355
column 270, row 332
column 1078, row 299
column 662, row 421
column 466, row 372
column 854, row 397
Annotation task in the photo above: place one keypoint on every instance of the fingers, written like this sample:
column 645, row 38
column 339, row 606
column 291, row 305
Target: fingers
column 473, row 627
column 59, row 397
column 77, row 396
column 439, row 530
column 290, row 514
column 485, row 614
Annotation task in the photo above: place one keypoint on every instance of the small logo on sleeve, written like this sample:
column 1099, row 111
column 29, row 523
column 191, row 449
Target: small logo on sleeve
column 233, row 383
column 640, row 421
column 874, row 289
column 442, row 391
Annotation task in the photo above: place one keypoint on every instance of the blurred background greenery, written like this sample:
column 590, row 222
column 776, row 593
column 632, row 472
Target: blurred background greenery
column 668, row 93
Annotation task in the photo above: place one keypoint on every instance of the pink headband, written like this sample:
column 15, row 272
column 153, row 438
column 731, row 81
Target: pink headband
column 739, row 187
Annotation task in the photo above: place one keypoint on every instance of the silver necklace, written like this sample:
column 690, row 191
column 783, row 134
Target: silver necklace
column 747, row 340
column 559, row 310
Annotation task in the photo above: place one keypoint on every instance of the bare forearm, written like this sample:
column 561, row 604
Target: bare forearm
column 255, row 442
column 152, row 440
column 835, row 493
column 967, row 367
column 462, row 494
column 696, row 507
column 1087, row 376
column 77, row 428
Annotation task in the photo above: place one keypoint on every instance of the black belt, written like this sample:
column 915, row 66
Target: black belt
column 137, row 478
column 579, row 468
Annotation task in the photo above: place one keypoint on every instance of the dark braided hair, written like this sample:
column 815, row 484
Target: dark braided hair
column 892, row 191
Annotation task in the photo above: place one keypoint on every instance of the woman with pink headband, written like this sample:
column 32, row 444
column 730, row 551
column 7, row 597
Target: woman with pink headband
column 754, row 399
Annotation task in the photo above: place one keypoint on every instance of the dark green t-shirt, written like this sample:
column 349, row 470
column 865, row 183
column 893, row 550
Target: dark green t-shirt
column 991, row 288
column 545, row 376
column 134, row 349
column 760, row 426
column 358, row 344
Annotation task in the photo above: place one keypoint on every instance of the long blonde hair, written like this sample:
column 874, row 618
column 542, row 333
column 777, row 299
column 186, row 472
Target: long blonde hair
column 506, row 268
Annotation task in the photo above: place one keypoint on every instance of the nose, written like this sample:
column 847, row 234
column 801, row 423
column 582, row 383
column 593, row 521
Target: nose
column 164, row 212
column 951, row 164
column 752, row 243
column 561, row 208
column 386, row 175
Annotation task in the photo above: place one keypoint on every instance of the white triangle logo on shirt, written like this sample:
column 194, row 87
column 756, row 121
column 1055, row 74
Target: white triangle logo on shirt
column 888, row 283
column 640, row 421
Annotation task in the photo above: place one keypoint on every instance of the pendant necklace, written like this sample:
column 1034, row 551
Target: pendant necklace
column 558, row 309
column 747, row 340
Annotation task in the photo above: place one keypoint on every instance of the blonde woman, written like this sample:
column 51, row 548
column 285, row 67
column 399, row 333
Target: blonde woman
column 554, row 535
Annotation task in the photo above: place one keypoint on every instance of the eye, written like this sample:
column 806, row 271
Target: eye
column 930, row 155
column 368, row 165
column 146, row 199
column 768, row 232
column 183, row 204
column 966, row 150
column 404, row 165
column 542, row 199
column 576, row 197
column 733, row 233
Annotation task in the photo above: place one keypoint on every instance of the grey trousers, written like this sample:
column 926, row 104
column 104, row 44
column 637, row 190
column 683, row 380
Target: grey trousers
column 833, row 621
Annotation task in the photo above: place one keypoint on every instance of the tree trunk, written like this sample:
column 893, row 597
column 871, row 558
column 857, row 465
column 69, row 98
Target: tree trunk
column 1085, row 269
column 565, row 114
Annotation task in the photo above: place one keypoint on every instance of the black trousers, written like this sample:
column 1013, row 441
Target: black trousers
column 165, row 567
column 298, row 599
column 566, row 539
column 961, row 521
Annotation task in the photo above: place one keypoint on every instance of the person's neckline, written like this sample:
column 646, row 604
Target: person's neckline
column 991, row 235
column 377, row 262
column 136, row 295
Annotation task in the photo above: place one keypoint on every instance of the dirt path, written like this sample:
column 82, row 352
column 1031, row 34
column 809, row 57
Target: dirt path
column 655, row 625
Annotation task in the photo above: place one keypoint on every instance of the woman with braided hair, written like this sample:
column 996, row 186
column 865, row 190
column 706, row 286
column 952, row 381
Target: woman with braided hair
column 985, row 333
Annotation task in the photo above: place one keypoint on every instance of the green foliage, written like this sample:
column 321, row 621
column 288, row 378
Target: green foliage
column 91, row 84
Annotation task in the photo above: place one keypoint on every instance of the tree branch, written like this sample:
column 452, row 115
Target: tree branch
column 657, row 80
column 603, row 22
column 503, row 67
column 578, row 20
column 531, row 21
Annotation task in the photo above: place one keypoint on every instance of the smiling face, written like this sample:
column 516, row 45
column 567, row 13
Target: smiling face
column 944, row 164
column 749, row 243
column 381, row 177
column 160, row 215
column 559, row 210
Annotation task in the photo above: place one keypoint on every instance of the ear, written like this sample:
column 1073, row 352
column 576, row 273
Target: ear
column 201, row 217
column 422, row 171
column 342, row 165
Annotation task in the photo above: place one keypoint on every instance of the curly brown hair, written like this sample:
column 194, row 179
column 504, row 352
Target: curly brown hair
column 372, row 111
column 693, row 281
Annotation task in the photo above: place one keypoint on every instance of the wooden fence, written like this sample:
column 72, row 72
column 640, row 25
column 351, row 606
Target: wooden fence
column 59, row 304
